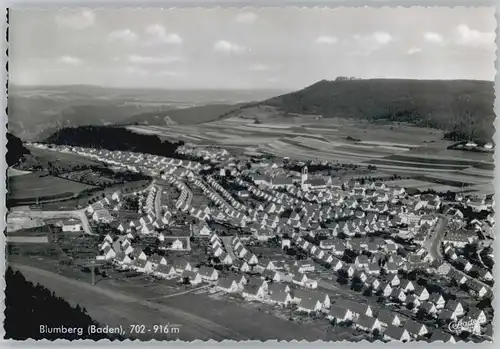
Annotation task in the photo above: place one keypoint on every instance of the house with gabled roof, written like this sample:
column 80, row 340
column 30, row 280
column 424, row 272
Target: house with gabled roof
column 388, row 318
column 437, row 299
column 156, row 260
column 393, row 333
column 181, row 264
column 340, row 314
column 455, row 307
column 143, row 266
column 225, row 258
column 137, row 253
column 394, row 280
column 164, row 270
column 441, row 336
column 407, row 286
column 253, row 292
column 208, row 273
column 386, row 289
column 477, row 315
column 280, row 297
column 415, row 329
column 447, row 315
column 391, row 268
column 227, row 285
column 476, row 288
column 193, row 277
column 367, row 323
column 398, row 295
column 428, row 308
column 309, row 305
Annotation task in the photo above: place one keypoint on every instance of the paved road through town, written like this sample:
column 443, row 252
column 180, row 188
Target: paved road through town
column 226, row 240
column 158, row 196
column 434, row 243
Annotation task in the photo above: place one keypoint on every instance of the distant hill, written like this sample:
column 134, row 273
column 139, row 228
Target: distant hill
column 37, row 112
column 462, row 107
column 186, row 116
column 15, row 150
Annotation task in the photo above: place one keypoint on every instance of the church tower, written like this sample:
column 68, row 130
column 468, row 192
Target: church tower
column 304, row 175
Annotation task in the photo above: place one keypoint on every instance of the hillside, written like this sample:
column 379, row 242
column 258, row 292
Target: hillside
column 37, row 112
column 28, row 306
column 113, row 138
column 186, row 116
column 16, row 151
column 462, row 107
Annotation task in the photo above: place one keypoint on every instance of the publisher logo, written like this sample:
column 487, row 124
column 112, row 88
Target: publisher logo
column 459, row 326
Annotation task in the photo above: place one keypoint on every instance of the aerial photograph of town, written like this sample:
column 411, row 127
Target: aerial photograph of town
column 251, row 174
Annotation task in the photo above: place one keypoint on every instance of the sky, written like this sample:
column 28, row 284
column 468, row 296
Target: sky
column 282, row 48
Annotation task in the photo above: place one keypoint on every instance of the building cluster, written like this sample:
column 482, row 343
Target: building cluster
column 368, row 235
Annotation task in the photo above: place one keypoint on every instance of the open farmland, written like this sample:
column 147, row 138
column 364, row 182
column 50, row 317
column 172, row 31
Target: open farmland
column 393, row 148
column 36, row 185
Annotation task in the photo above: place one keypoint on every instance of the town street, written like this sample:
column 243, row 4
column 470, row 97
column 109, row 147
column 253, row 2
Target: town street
column 433, row 245
column 158, row 196
column 226, row 240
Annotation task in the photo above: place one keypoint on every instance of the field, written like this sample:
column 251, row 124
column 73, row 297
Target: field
column 27, row 239
column 44, row 156
column 35, row 185
column 393, row 148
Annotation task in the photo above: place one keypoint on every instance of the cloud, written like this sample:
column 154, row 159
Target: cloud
column 228, row 47
column 159, row 35
column 413, row 50
column 70, row 60
column 259, row 67
column 370, row 43
column 433, row 38
column 382, row 38
column 76, row 20
column 152, row 60
column 324, row 39
column 475, row 38
column 125, row 35
column 136, row 71
column 170, row 73
column 246, row 18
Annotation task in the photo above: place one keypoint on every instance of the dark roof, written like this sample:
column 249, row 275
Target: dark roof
column 206, row 271
column 276, row 287
column 225, row 282
column 439, row 335
column 394, row 332
column 308, row 303
column 386, row 316
column 279, row 296
column 365, row 321
column 445, row 314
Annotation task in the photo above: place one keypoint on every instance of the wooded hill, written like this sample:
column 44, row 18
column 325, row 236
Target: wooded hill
column 464, row 108
column 113, row 138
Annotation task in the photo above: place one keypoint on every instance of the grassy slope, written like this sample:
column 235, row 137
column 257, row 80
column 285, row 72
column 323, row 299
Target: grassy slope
column 463, row 106
column 187, row 116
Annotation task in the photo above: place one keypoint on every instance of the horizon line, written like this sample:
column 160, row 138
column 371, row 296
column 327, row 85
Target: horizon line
column 12, row 84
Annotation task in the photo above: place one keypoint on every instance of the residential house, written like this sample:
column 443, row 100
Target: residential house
column 394, row 333
column 208, row 273
column 193, row 277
